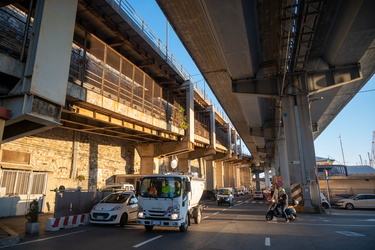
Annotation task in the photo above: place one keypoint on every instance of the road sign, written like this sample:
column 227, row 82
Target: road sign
column 280, row 178
column 280, row 184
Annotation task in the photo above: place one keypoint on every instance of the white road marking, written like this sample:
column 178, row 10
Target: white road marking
column 32, row 241
column 215, row 213
column 147, row 241
column 267, row 242
column 370, row 220
column 348, row 233
column 205, row 217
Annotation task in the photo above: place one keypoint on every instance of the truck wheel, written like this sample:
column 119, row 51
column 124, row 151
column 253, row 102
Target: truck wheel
column 184, row 228
column 149, row 228
column 198, row 217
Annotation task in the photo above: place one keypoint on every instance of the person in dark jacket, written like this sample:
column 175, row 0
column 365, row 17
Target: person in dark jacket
column 283, row 202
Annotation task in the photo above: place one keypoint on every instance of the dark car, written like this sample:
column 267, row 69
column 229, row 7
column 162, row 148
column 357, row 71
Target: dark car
column 209, row 195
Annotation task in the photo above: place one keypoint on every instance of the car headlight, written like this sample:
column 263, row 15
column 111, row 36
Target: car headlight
column 118, row 207
column 141, row 214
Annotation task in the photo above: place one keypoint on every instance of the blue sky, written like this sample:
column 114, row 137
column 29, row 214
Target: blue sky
column 355, row 123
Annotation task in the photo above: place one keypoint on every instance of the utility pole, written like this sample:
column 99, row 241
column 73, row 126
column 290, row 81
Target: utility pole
column 342, row 151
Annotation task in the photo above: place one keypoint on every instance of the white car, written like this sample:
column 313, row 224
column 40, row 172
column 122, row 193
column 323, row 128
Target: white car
column 116, row 208
column 258, row 195
column 358, row 201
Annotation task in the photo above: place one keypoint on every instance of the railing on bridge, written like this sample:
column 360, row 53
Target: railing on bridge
column 103, row 70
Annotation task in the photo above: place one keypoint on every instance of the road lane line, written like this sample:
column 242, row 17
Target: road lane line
column 267, row 242
column 349, row 233
column 215, row 213
column 32, row 241
column 147, row 241
column 205, row 217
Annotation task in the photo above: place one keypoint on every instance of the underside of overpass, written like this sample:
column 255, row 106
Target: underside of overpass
column 291, row 67
column 254, row 49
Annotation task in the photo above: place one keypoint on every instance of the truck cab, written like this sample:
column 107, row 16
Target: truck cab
column 225, row 195
column 169, row 200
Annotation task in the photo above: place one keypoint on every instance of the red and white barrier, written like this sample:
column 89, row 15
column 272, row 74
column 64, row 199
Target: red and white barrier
column 56, row 224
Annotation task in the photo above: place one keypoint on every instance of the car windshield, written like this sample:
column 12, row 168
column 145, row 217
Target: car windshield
column 224, row 191
column 162, row 187
column 115, row 198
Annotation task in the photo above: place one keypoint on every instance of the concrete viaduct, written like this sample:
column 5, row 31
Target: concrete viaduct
column 282, row 70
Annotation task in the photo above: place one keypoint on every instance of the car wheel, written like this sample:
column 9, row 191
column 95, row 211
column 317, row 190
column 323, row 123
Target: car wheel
column 198, row 218
column 269, row 216
column 349, row 206
column 149, row 228
column 124, row 219
column 184, row 228
column 325, row 205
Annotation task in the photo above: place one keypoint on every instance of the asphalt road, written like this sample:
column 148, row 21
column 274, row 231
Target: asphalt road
column 242, row 226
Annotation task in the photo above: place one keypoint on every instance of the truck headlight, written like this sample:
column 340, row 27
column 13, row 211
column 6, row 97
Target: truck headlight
column 175, row 213
column 141, row 215
column 174, row 216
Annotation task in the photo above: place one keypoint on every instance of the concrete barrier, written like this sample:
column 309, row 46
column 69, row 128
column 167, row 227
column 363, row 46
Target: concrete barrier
column 56, row 224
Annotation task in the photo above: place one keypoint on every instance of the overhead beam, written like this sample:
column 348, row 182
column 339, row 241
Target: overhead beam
column 266, row 87
column 322, row 80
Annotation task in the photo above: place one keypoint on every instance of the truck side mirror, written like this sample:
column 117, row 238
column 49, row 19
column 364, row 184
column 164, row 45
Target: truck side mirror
column 188, row 187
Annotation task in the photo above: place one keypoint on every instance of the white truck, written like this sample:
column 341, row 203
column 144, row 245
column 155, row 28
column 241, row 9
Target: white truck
column 169, row 201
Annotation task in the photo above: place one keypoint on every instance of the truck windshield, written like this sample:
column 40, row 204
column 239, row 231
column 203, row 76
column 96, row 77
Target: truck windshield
column 161, row 187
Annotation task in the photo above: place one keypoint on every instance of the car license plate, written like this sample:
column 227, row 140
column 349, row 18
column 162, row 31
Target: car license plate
column 156, row 223
column 100, row 217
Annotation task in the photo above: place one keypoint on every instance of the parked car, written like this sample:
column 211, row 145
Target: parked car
column 116, row 208
column 258, row 195
column 358, row 201
column 238, row 192
column 209, row 195
column 225, row 195
column 325, row 202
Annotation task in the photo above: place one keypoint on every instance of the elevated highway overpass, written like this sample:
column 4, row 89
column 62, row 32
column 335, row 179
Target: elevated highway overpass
column 291, row 67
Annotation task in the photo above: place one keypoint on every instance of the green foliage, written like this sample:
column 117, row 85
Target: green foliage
column 32, row 215
column 181, row 113
column 81, row 177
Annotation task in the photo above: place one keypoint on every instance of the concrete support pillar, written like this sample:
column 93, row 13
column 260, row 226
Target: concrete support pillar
column 183, row 163
column 147, row 153
column 300, row 147
column 257, row 182
column 147, row 165
column 212, row 128
column 283, row 161
column 227, row 174
column 219, row 173
column 210, row 175
column 190, row 111
column 5, row 115
column 267, row 177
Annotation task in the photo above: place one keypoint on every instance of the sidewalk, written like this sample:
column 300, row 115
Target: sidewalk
column 12, row 229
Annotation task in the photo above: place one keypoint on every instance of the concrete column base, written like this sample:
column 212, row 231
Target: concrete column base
column 308, row 210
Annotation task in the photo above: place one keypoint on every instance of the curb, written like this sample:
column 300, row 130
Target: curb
column 55, row 224
column 12, row 239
